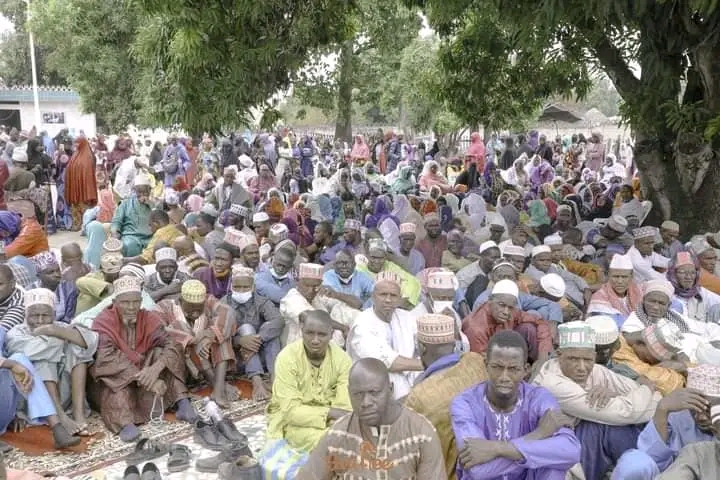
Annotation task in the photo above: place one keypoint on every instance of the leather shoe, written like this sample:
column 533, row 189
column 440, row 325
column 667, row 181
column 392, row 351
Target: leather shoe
column 207, row 435
column 228, row 430
column 244, row 468
column 229, row 454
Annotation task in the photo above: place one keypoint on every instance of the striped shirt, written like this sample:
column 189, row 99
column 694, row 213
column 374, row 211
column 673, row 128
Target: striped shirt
column 12, row 310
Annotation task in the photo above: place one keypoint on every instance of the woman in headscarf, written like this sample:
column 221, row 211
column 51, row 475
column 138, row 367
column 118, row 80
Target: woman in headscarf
column 494, row 181
column 475, row 208
column 543, row 173
column 476, row 152
column 405, row 213
column 80, row 183
column 39, row 162
column 21, row 236
column 360, row 187
column 381, row 211
column 307, row 151
column 403, row 184
column 538, row 214
column 430, row 178
column 118, row 154
column 690, row 299
column 360, row 152
column 262, row 183
column 516, row 175
column 595, row 152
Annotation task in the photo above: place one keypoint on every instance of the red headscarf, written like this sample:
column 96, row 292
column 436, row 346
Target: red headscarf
column 149, row 333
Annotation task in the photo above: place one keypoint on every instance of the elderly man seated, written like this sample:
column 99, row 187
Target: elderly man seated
column 259, row 327
column 309, row 393
column 204, row 328
column 59, row 353
column 95, row 286
column 607, row 406
column 131, row 222
column 19, row 381
column 377, row 262
column 620, row 295
column 12, row 309
column 348, row 284
column 506, row 428
column 682, row 418
column 138, row 371
column 501, row 313
column 387, row 333
column 576, row 289
column 275, row 282
column 166, row 282
column 48, row 271
column 309, row 295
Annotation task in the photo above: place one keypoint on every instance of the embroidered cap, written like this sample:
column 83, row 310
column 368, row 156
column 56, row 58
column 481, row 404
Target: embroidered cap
column 278, row 232
column 705, row 379
column 644, row 232
column 605, row 328
column 45, row 260
column 166, row 253
column 540, row 249
column 172, row 197
column 683, row 258
column 621, row 262
column 193, row 291
column 127, row 284
column 133, row 269
column 514, row 250
column 670, row 226
column 233, row 236
column 239, row 210
column 407, row 228
column 260, row 217
column 663, row 339
column 245, row 241
column 377, row 245
column 39, row 296
column 351, row 224
column 239, row 271
column 386, row 276
column 111, row 262
column 311, row 271
column 434, row 329
column 442, row 280
column 576, row 335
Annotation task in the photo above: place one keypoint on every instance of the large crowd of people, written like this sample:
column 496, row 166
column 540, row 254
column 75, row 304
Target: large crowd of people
column 501, row 313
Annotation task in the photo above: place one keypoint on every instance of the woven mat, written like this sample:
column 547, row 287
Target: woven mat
column 108, row 449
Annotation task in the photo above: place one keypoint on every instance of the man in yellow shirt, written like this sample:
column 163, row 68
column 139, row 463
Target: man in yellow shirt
column 162, row 231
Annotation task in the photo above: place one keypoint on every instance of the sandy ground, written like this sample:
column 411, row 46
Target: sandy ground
column 60, row 238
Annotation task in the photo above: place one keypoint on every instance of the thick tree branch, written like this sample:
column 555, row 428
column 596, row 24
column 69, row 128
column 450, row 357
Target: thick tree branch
column 616, row 68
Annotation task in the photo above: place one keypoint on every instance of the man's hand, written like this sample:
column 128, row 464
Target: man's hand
column 22, row 377
column 203, row 347
column 326, row 292
column 147, row 377
column 599, row 397
column 685, row 399
column 676, row 365
column 477, row 452
column 550, row 423
column 174, row 288
column 250, row 343
column 643, row 380
column 49, row 330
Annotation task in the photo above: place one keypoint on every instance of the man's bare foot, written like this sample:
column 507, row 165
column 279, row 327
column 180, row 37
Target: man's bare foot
column 221, row 401
column 232, row 393
column 260, row 393
column 70, row 425
column 81, row 421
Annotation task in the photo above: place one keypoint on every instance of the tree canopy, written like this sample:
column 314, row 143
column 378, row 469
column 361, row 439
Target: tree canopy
column 661, row 56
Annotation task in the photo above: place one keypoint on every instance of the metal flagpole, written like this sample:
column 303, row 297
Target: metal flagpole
column 36, row 98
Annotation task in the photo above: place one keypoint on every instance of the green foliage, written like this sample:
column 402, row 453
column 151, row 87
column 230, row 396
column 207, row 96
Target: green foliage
column 87, row 43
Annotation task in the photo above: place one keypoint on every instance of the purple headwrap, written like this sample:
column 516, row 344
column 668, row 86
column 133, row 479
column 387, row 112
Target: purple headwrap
column 9, row 226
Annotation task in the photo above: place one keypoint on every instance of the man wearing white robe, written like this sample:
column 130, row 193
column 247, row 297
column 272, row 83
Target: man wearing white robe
column 388, row 334
column 643, row 258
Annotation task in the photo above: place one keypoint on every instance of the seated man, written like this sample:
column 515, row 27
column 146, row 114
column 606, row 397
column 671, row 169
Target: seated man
column 608, row 406
column 12, row 308
column 576, row 289
column 377, row 262
column 204, row 328
column 446, row 375
column 131, row 222
column 137, row 366
column 620, row 295
column 310, row 392
column 162, row 232
column 48, row 272
column 250, row 254
column 275, row 282
column 506, row 428
column 71, row 259
column 166, row 282
column 59, row 353
column 347, row 284
column 387, row 333
column 440, row 288
column 501, row 313
column 380, row 430
column 607, row 342
column 189, row 260
column 682, row 418
column 95, row 286
column 259, row 327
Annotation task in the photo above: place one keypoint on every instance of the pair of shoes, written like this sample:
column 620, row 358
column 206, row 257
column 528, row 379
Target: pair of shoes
column 146, row 450
column 217, row 435
column 230, row 454
column 244, row 468
column 179, row 459
column 149, row 472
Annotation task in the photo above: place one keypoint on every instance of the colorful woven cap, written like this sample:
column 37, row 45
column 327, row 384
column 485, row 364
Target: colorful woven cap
column 239, row 271
column 45, row 260
column 605, row 328
column 663, row 339
column 246, row 241
column 408, row 228
column 311, row 271
column 111, row 262
column 127, row 284
column 576, row 335
column 705, row 379
column 233, row 236
column 436, row 329
column 39, row 296
column 193, row 291
column 386, row 276
column 278, row 232
column 352, row 224
column 167, row 253
column 239, row 210
column 644, row 232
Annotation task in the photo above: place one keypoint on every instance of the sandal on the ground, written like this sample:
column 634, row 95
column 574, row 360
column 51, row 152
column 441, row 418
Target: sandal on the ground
column 150, row 472
column 146, row 450
column 131, row 473
column 179, row 459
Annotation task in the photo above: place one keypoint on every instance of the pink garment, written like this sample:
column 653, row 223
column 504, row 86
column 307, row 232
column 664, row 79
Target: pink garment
column 194, row 203
column 360, row 150
column 429, row 180
column 261, row 184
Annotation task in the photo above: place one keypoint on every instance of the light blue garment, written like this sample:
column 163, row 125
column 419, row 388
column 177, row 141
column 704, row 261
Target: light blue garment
column 264, row 360
column 89, row 215
column 653, row 452
column 361, row 285
column 95, row 239
column 268, row 286
column 549, row 311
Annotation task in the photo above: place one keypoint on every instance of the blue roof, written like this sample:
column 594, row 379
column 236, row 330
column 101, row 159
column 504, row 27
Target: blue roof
column 45, row 94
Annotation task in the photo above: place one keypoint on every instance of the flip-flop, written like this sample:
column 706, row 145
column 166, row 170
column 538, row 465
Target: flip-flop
column 150, row 472
column 131, row 473
column 146, row 450
column 179, row 459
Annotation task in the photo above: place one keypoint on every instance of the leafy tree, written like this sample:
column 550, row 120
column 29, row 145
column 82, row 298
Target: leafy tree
column 378, row 32
column 88, row 43
column 205, row 65
column 672, row 104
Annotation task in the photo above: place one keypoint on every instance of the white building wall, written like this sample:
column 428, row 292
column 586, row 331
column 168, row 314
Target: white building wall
column 75, row 120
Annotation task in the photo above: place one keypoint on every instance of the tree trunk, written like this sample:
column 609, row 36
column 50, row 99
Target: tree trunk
column 343, row 124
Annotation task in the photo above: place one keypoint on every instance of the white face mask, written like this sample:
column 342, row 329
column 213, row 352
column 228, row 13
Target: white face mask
column 242, row 297
column 276, row 275
column 439, row 306
column 346, row 280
